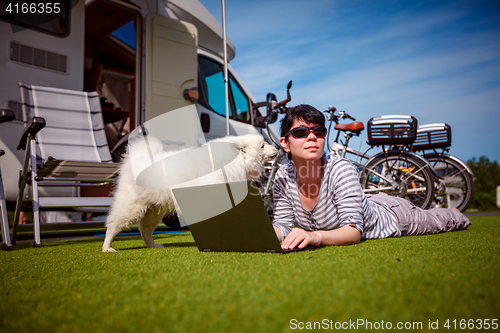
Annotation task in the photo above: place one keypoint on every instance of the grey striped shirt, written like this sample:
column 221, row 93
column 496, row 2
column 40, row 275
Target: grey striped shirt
column 341, row 202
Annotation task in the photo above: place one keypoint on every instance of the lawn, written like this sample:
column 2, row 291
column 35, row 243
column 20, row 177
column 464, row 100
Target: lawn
column 70, row 286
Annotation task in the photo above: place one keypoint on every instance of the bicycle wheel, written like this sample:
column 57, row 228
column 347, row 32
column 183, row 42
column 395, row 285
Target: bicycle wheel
column 267, row 199
column 414, row 180
column 459, row 181
column 266, row 179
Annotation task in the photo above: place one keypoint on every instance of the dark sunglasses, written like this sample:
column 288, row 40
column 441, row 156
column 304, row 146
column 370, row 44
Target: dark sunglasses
column 303, row 131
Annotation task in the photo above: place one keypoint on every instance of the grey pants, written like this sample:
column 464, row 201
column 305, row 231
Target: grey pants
column 415, row 221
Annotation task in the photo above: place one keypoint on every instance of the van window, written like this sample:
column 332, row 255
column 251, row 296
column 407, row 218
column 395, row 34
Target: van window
column 240, row 101
column 48, row 16
column 212, row 80
column 212, row 88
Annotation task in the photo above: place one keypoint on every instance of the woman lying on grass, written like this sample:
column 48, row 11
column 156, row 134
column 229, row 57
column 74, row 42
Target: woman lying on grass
column 322, row 194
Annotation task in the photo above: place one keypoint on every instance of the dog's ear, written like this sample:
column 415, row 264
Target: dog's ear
column 240, row 145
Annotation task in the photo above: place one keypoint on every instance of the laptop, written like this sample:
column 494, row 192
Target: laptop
column 229, row 217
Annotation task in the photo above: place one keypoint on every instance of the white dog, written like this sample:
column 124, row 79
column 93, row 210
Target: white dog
column 143, row 194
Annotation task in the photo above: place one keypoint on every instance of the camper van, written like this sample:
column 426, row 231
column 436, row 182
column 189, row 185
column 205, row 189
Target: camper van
column 143, row 57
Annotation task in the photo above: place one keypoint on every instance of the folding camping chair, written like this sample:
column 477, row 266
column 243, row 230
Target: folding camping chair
column 71, row 150
column 5, row 115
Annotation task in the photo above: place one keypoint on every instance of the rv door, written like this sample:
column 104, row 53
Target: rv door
column 171, row 63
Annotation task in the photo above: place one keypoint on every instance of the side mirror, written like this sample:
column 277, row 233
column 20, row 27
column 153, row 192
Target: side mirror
column 271, row 115
column 272, row 101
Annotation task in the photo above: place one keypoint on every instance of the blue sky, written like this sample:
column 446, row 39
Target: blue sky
column 436, row 60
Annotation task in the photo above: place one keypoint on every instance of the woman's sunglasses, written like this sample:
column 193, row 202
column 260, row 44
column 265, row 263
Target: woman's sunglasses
column 303, row 131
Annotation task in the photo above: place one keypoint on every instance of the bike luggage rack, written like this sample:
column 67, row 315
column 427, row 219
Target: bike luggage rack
column 432, row 136
column 392, row 129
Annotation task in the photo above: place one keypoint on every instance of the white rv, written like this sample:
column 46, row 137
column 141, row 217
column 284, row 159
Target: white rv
column 143, row 57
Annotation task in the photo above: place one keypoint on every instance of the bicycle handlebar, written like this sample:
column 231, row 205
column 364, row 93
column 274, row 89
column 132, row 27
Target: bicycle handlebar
column 283, row 103
column 281, row 107
column 274, row 108
column 336, row 115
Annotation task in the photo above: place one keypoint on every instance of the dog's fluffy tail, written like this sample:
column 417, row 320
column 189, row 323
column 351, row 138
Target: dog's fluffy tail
column 145, row 145
column 141, row 153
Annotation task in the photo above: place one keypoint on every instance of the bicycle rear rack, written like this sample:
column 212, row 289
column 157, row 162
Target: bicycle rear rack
column 432, row 136
column 392, row 130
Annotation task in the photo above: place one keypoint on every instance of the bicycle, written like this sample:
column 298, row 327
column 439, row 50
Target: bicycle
column 400, row 166
column 396, row 170
column 457, row 176
column 266, row 180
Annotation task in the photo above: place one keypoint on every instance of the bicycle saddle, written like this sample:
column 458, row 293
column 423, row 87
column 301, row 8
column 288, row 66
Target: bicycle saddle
column 355, row 127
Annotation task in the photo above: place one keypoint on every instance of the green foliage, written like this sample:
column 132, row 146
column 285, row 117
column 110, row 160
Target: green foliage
column 487, row 175
column 71, row 286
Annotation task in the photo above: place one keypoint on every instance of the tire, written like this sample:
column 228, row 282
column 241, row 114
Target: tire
column 459, row 181
column 409, row 172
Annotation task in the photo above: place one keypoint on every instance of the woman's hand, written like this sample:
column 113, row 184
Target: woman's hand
column 300, row 238
column 346, row 235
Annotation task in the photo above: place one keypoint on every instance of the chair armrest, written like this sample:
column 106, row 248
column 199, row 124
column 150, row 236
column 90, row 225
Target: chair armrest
column 6, row 115
column 33, row 127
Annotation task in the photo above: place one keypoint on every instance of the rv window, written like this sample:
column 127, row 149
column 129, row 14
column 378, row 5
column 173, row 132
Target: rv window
column 52, row 17
column 212, row 80
column 240, row 101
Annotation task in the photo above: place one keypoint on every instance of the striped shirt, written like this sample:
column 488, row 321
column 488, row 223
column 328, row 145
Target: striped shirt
column 341, row 202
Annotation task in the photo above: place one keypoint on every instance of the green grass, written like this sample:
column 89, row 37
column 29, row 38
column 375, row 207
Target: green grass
column 70, row 285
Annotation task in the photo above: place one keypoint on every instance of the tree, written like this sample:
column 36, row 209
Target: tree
column 487, row 175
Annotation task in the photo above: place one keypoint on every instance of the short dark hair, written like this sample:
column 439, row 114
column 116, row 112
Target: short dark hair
column 304, row 112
